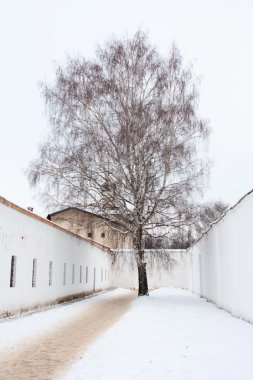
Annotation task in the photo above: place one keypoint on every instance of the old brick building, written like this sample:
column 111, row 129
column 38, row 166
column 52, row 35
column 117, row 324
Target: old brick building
column 93, row 226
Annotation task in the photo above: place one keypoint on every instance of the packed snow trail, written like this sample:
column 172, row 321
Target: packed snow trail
column 170, row 335
column 48, row 355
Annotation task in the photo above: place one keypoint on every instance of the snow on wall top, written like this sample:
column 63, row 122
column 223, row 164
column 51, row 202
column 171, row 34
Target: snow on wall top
column 221, row 217
column 52, row 224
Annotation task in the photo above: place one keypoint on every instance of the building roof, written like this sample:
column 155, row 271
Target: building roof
column 49, row 216
column 73, row 208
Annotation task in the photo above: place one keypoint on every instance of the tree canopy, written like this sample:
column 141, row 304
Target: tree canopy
column 125, row 140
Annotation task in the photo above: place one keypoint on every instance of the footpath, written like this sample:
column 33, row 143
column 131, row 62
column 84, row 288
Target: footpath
column 170, row 335
column 52, row 348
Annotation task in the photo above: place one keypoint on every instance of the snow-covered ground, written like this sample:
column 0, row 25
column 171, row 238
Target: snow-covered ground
column 170, row 335
column 21, row 329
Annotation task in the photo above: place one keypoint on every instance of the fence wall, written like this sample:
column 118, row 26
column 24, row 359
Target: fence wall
column 222, row 261
column 41, row 263
column 164, row 268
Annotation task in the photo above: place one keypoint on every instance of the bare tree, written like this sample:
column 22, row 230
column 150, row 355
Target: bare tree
column 208, row 213
column 205, row 214
column 125, row 140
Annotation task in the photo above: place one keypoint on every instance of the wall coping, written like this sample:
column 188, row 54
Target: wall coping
column 220, row 218
column 53, row 225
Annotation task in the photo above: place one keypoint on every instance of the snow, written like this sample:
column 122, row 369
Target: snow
column 20, row 329
column 172, row 335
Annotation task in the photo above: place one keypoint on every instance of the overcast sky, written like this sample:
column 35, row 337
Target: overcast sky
column 215, row 35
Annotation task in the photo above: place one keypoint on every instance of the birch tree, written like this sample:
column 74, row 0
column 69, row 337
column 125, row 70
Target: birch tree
column 204, row 215
column 125, row 140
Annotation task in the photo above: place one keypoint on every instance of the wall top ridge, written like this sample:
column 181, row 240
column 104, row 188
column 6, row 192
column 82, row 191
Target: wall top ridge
column 221, row 217
column 52, row 224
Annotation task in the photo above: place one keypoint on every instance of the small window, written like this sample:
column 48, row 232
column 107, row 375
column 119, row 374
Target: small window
column 87, row 273
column 64, row 273
column 94, row 280
column 73, row 274
column 89, row 235
column 34, row 273
column 50, row 273
column 103, row 235
column 81, row 274
column 13, row 271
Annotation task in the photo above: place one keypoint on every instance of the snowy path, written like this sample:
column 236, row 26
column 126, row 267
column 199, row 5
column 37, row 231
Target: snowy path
column 170, row 335
column 56, row 342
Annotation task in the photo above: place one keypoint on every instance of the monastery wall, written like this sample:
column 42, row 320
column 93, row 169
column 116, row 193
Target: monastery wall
column 41, row 263
column 222, row 261
column 164, row 268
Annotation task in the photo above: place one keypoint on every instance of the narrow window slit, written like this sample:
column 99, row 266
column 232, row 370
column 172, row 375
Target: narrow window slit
column 13, row 271
column 81, row 274
column 34, row 273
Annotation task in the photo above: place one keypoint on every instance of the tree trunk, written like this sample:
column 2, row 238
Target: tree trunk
column 143, row 282
column 139, row 256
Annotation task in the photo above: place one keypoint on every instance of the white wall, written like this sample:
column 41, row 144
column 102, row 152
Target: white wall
column 27, row 236
column 222, row 261
column 171, row 272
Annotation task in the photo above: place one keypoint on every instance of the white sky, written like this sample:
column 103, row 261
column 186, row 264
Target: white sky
column 215, row 35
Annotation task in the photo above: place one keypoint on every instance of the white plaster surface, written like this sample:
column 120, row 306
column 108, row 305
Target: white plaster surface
column 173, row 271
column 27, row 238
column 222, row 261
